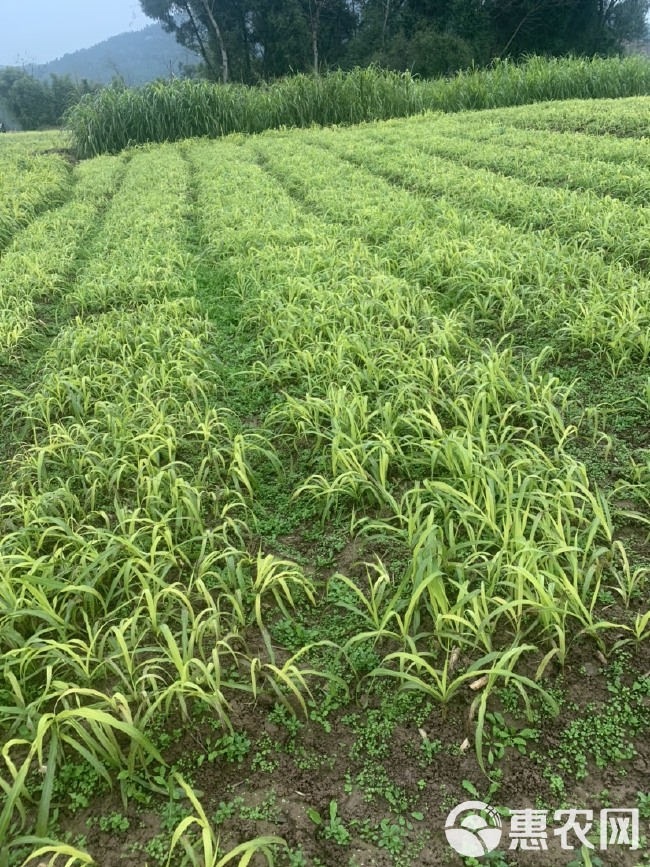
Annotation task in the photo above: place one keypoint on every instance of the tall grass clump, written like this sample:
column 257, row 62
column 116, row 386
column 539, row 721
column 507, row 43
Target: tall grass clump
column 539, row 79
column 112, row 119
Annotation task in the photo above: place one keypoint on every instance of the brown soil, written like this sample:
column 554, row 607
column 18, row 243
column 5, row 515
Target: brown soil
column 298, row 790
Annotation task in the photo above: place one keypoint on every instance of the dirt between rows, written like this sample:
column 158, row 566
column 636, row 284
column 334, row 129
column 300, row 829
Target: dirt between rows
column 298, row 790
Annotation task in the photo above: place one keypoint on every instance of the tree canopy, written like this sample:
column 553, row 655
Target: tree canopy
column 249, row 40
column 37, row 104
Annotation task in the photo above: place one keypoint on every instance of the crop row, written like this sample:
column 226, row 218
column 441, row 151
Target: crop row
column 634, row 152
column 121, row 516
column 25, row 143
column 29, row 184
column 619, row 117
column 124, row 578
column 613, row 229
column 39, row 264
column 461, row 449
column 128, row 583
column 534, row 163
column 141, row 253
column 427, row 238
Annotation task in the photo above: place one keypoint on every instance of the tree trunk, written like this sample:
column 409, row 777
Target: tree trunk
column 315, row 31
column 314, row 43
column 519, row 26
column 384, row 26
column 197, row 32
column 247, row 50
column 222, row 45
column 606, row 8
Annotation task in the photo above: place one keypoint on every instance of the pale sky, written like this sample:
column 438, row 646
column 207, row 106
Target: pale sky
column 35, row 31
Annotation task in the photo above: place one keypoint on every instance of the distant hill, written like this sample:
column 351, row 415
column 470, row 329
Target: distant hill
column 138, row 57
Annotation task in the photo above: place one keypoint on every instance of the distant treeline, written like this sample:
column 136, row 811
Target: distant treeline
column 256, row 41
column 252, row 40
column 112, row 119
column 35, row 104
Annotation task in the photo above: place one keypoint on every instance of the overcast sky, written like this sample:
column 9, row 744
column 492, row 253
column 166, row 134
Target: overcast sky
column 35, row 31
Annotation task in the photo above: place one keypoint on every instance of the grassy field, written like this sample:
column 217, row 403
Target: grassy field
column 326, row 491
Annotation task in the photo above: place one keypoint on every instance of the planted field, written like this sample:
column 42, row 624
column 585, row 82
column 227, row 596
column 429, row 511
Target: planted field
column 326, row 500
column 29, row 183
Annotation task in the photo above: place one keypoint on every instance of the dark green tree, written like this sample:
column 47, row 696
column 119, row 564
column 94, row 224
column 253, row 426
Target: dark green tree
column 37, row 104
column 199, row 26
column 248, row 40
column 556, row 27
column 245, row 40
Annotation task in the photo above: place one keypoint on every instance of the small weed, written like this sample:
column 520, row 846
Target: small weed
column 232, row 747
column 172, row 815
column 262, row 759
column 374, row 782
column 333, row 829
column 295, row 858
column 76, row 784
column 373, row 736
column 266, row 811
column 498, row 736
column 226, row 810
column 282, row 717
column 115, row 823
column 643, row 804
column 488, row 797
column 428, row 751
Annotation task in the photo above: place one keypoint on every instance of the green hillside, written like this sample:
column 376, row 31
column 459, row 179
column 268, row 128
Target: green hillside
column 138, row 57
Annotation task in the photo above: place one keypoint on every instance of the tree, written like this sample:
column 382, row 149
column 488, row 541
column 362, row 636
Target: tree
column 207, row 6
column 561, row 26
column 622, row 19
column 331, row 24
column 252, row 39
column 194, row 24
column 36, row 104
column 249, row 40
column 280, row 36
